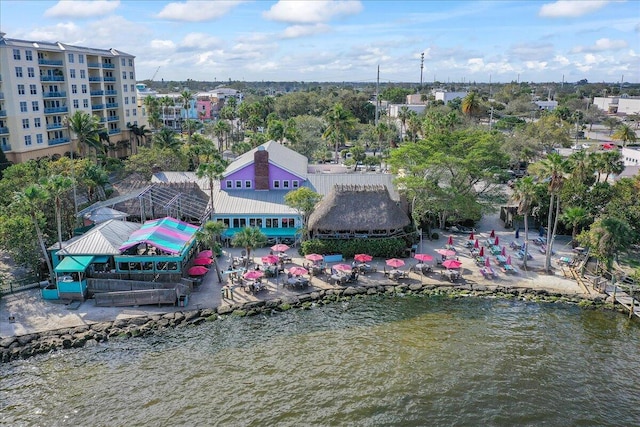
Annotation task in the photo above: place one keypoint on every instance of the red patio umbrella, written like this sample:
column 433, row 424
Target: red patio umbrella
column 452, row 263
column 395, row 262
column 503, row 252
column 314, row 257
column 342, row 267
column 481, row 251
column 493, row 233
column 280, row 247
column 205, row 254
column 197, row 270
column 270, row 259
column 363, row 257
column 497, row 241
column 450, row 241
column 298, row 271
column 202, row 261
column 471, row 236
column 446, row 252
column 508, row 260
column 423, row 257
column 487, row 262
column 476, row 244
column 253, row 274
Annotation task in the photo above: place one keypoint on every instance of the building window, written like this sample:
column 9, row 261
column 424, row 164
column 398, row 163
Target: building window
column 288, row 223
column 123, row 61
column 133, row 89
column 25, row 123
column 294, row 183
column 81, row 58
column 238, row 184
column 74, row 88
column 229, row 183
column 33, row 89
column 84, row 88
column 83, row 74
column 247, row 184
column 27, row 140
column 126, row 113
column 255, row 222
column 20, row 89
column 130, row 62
column 125, row 88
column 76, row 104
column 18, row 71
column 23, row 106
column 134, row 112
column 16, row 54
column 124, row 75
column 31, row 72
column 239, row 222
column 37, row 123
column 71, row 58
column 285, row 184
column 39, row 138
column 133, row 99
column 131, row 75
column 72, row 73
column 28, row 55
column 271, row 223
column 85, row 103
column 126, row 100
column 276, row 184
column 35, row 105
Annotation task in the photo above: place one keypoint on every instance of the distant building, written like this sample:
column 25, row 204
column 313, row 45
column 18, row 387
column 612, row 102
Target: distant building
column 631, row 156
column 447, row 97
column 622, row 105
column 394, row 109
column 546, row 105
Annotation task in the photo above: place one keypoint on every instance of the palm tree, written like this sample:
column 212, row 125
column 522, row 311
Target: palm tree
column 249, row 238
column 403, row 115
column 612, row 163
column 524, row 192
column 574, row 216
column 58, row 186
column 220, row 130
column 152, row 104
column 86, row 128
column 339, row 123
column 209, row 234
column 32, row 201
column 165, row 102
column 212, row 170
column 606, row 237
column 143, row 132
column 414, row 127
column 275, row 130
column 471, row 104
column 611, row 123
column 625, row 134
column 166, row 138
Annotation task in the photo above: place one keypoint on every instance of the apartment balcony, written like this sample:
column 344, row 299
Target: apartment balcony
column 95, row 79
column 1, row 95
column 54, row 126
column 103, row 120
column 4, row 131
column 51, row 62
column 97, row 107
column 107, row 65
column 109, row 79
column 93, row 64
column 54, row 94
column 114, row 131
column 3, row 113
column 58, row 141
column 113, row 118
column 112, row 105
column 56, row 110
column 51, row 78
column 110, row 92
column 96, row 93
column 5, row 147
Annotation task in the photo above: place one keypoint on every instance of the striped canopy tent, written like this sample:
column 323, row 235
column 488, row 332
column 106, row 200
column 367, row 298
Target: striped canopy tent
column 167, row 234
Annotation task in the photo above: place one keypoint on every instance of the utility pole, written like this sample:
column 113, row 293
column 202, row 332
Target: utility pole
column 377, row 96
column 421, row 67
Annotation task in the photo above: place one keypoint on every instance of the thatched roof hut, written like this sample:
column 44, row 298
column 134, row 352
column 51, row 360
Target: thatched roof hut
column 350, row 211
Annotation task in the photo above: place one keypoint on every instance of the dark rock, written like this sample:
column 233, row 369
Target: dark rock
column 101, row 327
column 198, row 320
column 190, row 315
column 225, row 309
column 415, row 286
column 6, row 342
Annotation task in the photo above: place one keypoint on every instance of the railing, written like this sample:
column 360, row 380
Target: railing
column 6, row 147
column 110, row 92
column 103, row 119
column 113, row 118
column 54, row 94
column 9, row 285
column 97, row 107
column 93, row 64
column 109, row 79
column 55, row 62
column 57, row 141
column 51, row 126
column 112, row 105
column 107, row 65
column 4, row 130
column 3, row 113
column 95, row 79
column 54, row 110
column 51, row 78
column 96, row 93
column 114, row 131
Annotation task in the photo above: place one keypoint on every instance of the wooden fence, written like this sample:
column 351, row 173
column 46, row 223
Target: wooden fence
column 139, row 297
column 96, row 286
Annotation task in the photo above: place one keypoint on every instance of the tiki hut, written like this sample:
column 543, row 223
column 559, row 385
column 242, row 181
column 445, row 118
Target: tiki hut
column 351, row 211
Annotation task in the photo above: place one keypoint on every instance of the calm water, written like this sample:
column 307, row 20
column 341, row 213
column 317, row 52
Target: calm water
column 376, row 361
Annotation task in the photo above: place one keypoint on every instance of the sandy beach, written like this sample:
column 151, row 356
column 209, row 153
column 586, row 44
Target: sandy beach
column 29, row 313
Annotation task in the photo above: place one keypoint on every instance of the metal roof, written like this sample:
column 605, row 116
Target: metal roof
column 103, row 239
column 251, row 202
column 323, row 183
column 182, row 177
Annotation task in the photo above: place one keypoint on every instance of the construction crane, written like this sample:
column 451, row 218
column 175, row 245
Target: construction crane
column 154, row 74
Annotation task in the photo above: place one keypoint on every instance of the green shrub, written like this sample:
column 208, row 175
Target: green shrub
column 435, row 236
column 386, row 247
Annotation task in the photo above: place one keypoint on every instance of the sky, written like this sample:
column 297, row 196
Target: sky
column 337, row 41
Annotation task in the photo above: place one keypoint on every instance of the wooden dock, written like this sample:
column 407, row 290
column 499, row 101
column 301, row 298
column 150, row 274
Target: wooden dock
column 624, row 299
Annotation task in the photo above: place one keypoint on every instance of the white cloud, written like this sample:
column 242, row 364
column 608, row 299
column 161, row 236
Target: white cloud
column 311, row 12
column 64, row 31
column 601, row 45
column 296, row 31
column 197, row 11
column 162, row 45
column 81, row 9
column 570, row 8
column 536, row 65
column 199, row 41
column 562, row 60
column 531, row 51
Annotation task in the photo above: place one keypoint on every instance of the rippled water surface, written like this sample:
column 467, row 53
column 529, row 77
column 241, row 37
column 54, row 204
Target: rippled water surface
column 373, row 361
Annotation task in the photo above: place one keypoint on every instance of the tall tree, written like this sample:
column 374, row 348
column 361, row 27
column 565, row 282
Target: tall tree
column 524, row 192
column 86, row 128
column 606, row 237
column 625, row 134
column 166, row 138
column 212, row 170
column 471, row 105
column 58, row 186
column 249, row 238
column 339, row 123
column 303, row 200
column 574, row 216
column 209, row 234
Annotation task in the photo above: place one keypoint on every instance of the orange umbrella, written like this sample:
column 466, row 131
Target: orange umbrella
column 493, row 233
column 497, row 241
column 471, row 236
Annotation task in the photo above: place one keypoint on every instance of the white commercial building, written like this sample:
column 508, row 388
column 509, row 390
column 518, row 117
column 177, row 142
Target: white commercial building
column 446, row 97
column 622, row 105
column 631, row 156
column 43, row 83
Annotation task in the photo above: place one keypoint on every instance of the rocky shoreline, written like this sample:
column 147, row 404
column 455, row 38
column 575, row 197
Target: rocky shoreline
column 25, row 346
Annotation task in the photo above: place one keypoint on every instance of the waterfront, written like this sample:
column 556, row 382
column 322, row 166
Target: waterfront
column 372, row 361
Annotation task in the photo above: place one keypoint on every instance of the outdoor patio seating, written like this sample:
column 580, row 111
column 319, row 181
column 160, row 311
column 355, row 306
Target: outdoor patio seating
column 501, row 259
column 509, row 269
column 488, row 272
column 495, row 249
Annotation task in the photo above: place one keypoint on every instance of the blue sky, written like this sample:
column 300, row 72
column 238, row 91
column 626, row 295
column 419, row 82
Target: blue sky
column 501, row 41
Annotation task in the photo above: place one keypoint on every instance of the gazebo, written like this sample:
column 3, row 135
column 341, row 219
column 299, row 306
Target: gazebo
column 357, row 211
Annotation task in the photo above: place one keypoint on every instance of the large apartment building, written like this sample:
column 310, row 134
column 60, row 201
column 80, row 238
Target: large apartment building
column 41, row 83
